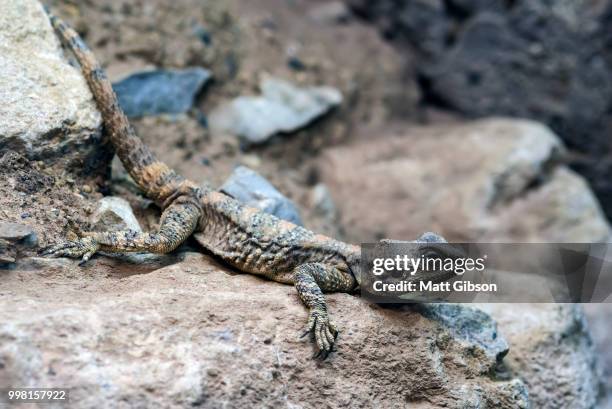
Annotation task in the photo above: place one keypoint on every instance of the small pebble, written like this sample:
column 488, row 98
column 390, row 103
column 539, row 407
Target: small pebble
column 296, row 64
column 251, row 160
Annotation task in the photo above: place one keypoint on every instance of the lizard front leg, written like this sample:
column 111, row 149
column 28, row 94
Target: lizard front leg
column 311, row 280
column 177, row 223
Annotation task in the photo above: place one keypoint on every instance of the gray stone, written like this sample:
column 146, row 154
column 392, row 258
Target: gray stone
column 551, row 351
column 8, row 253
column 46, row 109
column 114, row 214
column 15, row 237
column 160, row 91
column 17, row 232
column 253, row 189
column 282, row 107
column 470, row 324
column 598, row 318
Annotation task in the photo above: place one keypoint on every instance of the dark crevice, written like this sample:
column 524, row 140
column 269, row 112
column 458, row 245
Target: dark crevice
column 509, row 4
column 429, row 97
column 556, row 158
column 455, row 11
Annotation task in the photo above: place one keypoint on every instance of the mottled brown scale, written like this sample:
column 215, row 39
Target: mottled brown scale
column 247, row 238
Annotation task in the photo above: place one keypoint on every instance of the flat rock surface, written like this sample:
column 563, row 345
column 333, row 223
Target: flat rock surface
column 196, row 334
column 15, row 231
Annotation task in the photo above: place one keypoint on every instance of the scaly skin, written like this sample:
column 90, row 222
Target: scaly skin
column 248, row 239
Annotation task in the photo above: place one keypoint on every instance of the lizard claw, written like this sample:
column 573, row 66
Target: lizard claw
column 325, row 332
column 83, row 248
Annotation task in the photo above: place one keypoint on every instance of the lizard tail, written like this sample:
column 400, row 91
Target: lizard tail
column 156, row 179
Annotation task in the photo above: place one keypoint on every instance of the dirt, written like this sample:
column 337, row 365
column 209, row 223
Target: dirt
column 39, row 197
column 239, row 41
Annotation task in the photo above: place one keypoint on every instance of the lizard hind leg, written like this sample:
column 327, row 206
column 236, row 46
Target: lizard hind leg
column 178, row 221
column 311, row 280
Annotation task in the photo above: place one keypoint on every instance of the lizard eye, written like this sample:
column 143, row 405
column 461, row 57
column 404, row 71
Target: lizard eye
column 431, row 254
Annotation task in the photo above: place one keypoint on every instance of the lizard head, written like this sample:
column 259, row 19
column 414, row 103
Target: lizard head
column 427, row 246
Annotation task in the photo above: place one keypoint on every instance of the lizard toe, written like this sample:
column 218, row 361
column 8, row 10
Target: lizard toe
column 324, row 332
column 322, row 342
column 58, row 250
column 82, row 248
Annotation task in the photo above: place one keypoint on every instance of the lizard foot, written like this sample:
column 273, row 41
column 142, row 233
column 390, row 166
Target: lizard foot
column 324, row 331
column 83, row 248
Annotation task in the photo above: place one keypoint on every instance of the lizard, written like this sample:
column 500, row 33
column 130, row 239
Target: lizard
column 246, row 238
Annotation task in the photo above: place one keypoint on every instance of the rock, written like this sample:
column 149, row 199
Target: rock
column 251, row 188
column 18, row 233
column 525, row 59
column 330, row 13
column 552, row 352
column 222, row 337
column 323, row 203
column 114, row 214
column 493, row 180
column 14, row 238
column 8, row 253
column 44, row 265
column 282, row 107
column 469, row 323
column 53, row 115
column 489, row 180
column 160, row 91
column 598, row 318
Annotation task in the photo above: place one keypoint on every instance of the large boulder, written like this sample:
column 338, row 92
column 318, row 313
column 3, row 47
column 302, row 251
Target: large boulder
column 46, row 108
column 195, row 334
column 489, row 180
